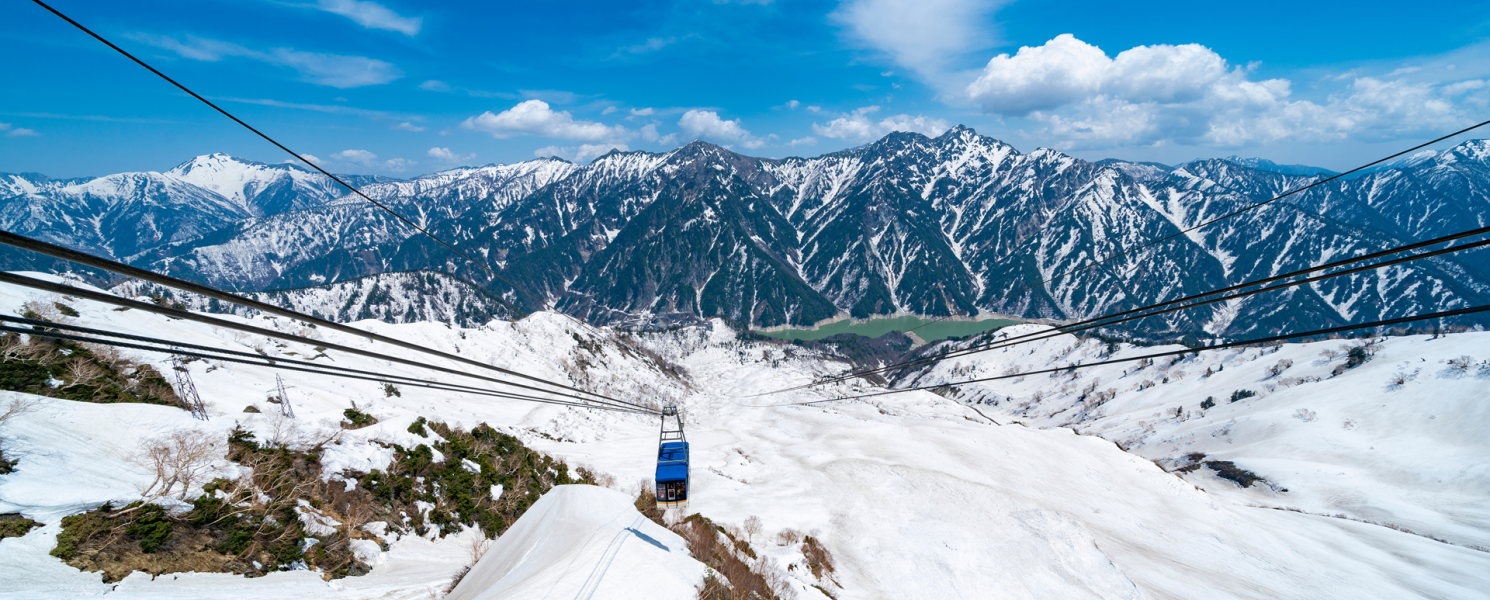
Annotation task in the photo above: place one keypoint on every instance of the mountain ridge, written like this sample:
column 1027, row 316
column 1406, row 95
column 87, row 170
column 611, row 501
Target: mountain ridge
column 957, row 224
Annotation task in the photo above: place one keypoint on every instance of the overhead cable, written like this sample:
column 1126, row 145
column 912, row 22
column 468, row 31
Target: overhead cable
column 59, row 288
column 1234, row 213
column 176, row 349
column 1132, row 314
column 36, row 323
column 297, row 156
column 55, row 251
column 1067, row 368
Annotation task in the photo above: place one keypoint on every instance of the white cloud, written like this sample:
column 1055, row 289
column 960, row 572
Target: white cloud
column 649, row 132
column 407, row 126
column 1189, row 94
column 534, row 117
column 806, row 141
column 642, row 112
column 582, row 153
column 445, row 155
column 707, row 125
column 334, row 70
column 369, row 160
column 609, row 110
column 308, row 158
column 858, row 127
column 398, row 165
column 815, row 108
column 372, row 15
column 793, row 104
column 196, row 48
column 13, row 131
column 920, row 34
column 435, row 85
column 355, row 156
column 651, row 45
column 1066, row 70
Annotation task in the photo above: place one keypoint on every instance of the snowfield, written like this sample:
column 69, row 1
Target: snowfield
column 583, row 541
column 916, row 495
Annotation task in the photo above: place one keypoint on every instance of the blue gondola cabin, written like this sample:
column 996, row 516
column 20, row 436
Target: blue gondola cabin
column 672, row 463
column 672, row 475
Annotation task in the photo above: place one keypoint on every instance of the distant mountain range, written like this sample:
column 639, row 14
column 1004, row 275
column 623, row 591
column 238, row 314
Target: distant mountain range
column 957, row 224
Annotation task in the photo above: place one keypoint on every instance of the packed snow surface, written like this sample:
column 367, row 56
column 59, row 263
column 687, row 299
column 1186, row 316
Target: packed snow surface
column 582, row 541
column 916, row 495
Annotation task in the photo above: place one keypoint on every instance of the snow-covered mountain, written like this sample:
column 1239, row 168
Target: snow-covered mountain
column 953, row 225
column 349, row 237
column 958, row 224
column 119, row 216
column 397, row 297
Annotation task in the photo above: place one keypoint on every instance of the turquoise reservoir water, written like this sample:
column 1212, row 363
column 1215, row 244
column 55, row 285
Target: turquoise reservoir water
column 874, row 328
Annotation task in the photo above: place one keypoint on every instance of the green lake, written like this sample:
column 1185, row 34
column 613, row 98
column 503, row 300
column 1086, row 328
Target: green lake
column 929, row 330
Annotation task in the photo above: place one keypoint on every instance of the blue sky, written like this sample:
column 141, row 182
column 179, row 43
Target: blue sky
column 402, row 88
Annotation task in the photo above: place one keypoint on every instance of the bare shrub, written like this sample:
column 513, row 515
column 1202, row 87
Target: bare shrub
column 818, row 559
column 284, row 432
column 478, row 546
column 753, row 527
column 83, row 372
column 776, row 579
column 18, row 407
column 1280, row 367
column 12, row 348
column 788, row 536
column 43, row 310
column 1461, row 364
column 180, row 457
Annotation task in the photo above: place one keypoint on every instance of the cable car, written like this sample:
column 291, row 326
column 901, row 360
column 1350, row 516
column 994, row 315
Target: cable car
column 672, row 463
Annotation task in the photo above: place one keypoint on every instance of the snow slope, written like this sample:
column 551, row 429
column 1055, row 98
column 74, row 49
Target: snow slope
column 916, row 495
column 577, row 530
column 1357, row 444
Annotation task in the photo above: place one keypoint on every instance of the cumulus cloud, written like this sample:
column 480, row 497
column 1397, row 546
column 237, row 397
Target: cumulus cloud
column 534, row 117
column 581, row 153
column 919, row 34
column 793, row 104
column 355, row 156
column 372, row 15
column 706, row 125
column 398, row 165
column 1189, row 94
column 407, row 126
column 806, row 141
column 334, row 70
column 13, row 131
column 446, row 156
column 1067, row 70
column 369, row 160
column 857, row 126
column 649, row 132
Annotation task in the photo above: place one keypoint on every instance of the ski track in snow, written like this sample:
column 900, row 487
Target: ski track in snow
column 916, row 495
